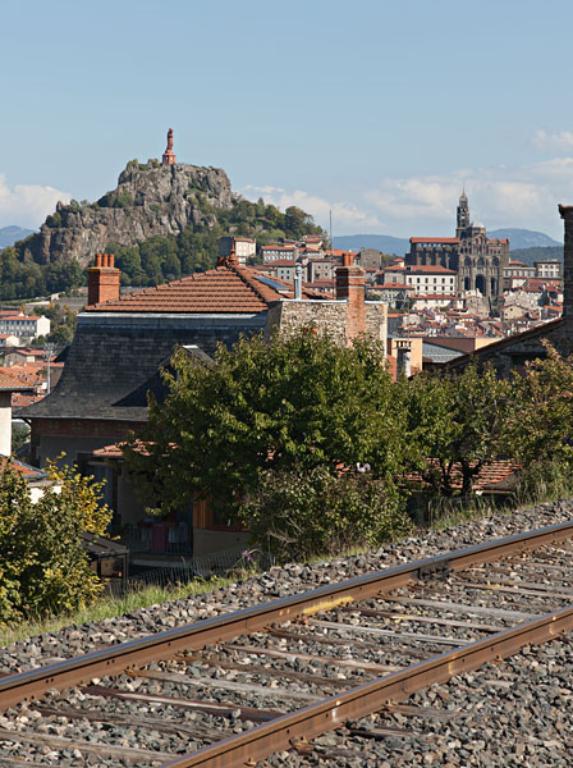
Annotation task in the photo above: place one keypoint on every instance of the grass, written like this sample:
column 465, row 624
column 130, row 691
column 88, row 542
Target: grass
column 108, row 607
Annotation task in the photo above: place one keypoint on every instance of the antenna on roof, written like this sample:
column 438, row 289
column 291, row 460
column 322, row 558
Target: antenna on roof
column 331, row 240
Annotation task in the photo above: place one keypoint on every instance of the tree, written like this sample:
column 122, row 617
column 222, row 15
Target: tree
column 44, row 568
column 295, row 404
column 541, row 418
column 457, row 423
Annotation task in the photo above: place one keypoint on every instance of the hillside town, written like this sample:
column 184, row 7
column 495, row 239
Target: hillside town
column 286, row 408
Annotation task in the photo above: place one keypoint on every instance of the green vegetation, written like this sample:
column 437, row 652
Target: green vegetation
column 314, row 448
column 301, row 410
column 540, row 253
column 108, row 607
column 21, row 277
column 159, row 259
column 44, row 567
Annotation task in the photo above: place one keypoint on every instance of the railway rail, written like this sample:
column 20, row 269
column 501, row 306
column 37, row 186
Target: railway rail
column 232, row 690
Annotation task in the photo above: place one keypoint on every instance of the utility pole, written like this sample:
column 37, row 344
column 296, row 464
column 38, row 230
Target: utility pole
column 49, row 351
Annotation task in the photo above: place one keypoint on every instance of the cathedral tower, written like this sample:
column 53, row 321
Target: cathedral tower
column 463, row 214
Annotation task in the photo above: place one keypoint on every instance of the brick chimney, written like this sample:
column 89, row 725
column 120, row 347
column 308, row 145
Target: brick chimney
column 566, row 212
column 351, row 285
column 347, row 259
column 103, row 279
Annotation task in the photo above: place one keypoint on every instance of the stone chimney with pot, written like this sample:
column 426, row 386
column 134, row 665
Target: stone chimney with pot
column 103, row 279
column 351, row 286
column 566, row 212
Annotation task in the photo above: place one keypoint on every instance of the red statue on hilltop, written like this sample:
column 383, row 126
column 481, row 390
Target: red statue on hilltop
column 169, row 155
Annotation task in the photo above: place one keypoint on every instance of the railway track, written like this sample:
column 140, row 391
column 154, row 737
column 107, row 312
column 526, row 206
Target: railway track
column 233, row 690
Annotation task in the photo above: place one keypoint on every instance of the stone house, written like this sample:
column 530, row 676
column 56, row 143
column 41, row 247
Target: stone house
column 120, row 346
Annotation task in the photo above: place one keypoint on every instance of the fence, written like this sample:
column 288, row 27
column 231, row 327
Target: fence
column 214, row 564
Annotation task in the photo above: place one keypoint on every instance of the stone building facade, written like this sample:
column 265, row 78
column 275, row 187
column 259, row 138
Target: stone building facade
column 346, row 318
column 515, row 351
column 479, row 261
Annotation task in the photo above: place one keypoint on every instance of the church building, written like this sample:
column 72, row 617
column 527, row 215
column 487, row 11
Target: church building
column 478, row 260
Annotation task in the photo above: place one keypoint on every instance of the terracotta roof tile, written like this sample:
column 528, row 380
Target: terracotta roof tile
column 436, row 240
column 229, row 288
column 12, row 383
column 497, row 475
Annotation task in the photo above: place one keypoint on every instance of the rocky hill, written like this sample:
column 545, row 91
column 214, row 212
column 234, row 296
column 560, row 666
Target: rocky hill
column 149, row 200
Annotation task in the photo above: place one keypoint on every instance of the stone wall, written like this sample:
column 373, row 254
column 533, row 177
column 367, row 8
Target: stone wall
column 330, row 317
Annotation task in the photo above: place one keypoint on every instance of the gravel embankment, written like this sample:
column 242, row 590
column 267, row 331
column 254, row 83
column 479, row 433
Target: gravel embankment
column 278, row 581
column 518, row 713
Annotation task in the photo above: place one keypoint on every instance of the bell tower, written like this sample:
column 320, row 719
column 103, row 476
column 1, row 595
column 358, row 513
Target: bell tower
column 169, row 155
column 463, row 213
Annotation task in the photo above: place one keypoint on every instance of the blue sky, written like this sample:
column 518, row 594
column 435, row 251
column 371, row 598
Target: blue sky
column 377, row 108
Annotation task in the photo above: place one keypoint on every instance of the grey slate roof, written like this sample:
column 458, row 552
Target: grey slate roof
column 114, row 362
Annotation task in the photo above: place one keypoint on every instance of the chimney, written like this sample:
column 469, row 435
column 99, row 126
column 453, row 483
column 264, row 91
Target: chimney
column 347, row 259
column 404, row 357
column 232, row 257
column 351, row 285
column 298, row 282
column 566, row 212
column 103, row 279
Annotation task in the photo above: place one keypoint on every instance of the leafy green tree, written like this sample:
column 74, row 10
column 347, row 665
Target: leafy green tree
column 541, row 417
column 44, row 568
column 458, row 422
column 295, row 404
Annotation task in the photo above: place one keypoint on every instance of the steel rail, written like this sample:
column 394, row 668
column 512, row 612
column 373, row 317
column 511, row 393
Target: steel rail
column 297, row 727
column 23, row 686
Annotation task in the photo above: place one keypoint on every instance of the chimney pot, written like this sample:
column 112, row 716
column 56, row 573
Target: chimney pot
column 103, row 280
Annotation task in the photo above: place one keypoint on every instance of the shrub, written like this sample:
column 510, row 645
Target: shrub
column 297, row 514
column 43, row 566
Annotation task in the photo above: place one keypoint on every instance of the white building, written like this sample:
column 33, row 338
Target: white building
column 278, row 252
column 244, row 247
column 435, row 280
column 24, row 326
column 548, row 269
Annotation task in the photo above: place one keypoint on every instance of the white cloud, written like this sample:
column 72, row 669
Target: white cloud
column 27, row 205
column 558, row 140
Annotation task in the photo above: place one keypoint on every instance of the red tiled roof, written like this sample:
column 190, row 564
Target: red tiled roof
column 277, row 263
column 395, row 268
column 497, row 475
column 277, row 247
column 437, row 240
column 429, row 269
column 30, row 473
column 229, row 288
column 12, row 383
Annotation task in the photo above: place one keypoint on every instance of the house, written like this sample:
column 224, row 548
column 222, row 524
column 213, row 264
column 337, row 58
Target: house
column 23, row 326
column 244, row 247
column 278, row 252
column 120, row 346
column 9, row 387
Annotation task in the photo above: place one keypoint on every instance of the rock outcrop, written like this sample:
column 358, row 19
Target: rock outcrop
column 151, row 199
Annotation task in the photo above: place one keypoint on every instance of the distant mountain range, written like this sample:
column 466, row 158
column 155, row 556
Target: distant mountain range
column 518, row 239
column 10, row 235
